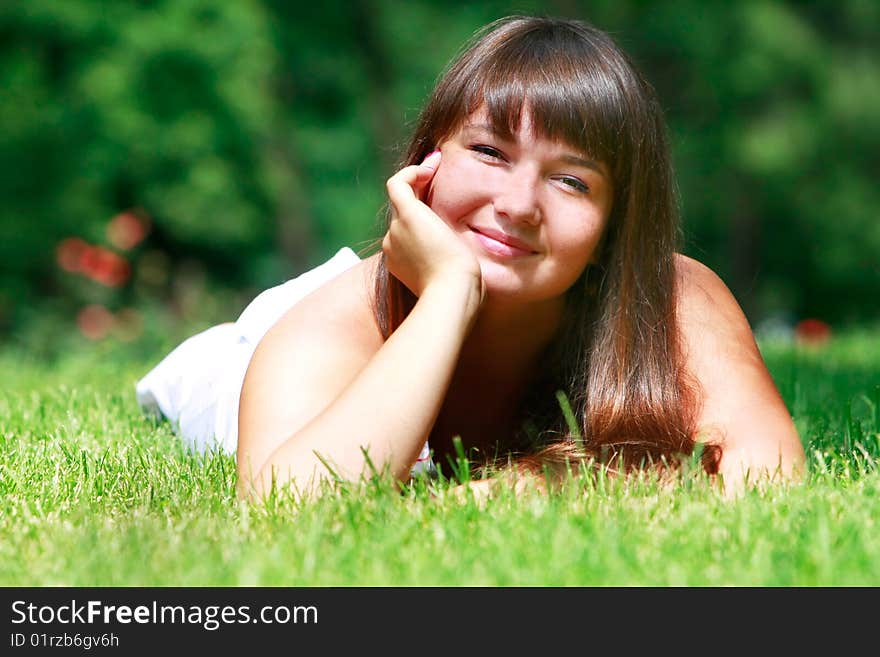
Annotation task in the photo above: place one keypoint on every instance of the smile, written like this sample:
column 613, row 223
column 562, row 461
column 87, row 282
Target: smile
column 500, row 244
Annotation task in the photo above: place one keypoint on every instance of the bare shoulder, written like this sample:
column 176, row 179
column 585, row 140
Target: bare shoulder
column 713, row 325
column 740, row 404
column 704, row 300
column 342, row 307
column 305, row 361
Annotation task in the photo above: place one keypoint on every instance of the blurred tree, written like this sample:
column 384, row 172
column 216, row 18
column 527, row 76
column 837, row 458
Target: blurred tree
column 775, row 116
column 162, row 106
column 256, row 134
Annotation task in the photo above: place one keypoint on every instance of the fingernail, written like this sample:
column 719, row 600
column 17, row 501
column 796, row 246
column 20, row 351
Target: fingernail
column 432, row 160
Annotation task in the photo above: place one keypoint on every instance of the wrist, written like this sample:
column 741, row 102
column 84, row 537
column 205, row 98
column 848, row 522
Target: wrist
column 461, row 290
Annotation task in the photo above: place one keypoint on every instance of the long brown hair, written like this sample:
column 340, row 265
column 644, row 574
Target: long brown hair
column 617, row 357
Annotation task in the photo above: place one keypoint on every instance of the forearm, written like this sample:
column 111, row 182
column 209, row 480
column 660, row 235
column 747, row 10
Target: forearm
column 389, row 408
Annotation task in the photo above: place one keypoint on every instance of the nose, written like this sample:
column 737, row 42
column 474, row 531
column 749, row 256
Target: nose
column 517, row 197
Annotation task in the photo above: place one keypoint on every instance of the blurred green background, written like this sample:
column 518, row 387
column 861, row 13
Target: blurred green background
column 163, row 161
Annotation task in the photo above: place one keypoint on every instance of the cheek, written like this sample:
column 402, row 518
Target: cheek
column 580, row 241
column 457, row 190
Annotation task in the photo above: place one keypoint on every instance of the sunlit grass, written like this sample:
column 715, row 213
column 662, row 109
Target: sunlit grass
column 94, row 494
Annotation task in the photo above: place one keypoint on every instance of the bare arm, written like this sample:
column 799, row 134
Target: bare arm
column 322, row 388
column 741, row 407
column 740, row 402
column 388, row 407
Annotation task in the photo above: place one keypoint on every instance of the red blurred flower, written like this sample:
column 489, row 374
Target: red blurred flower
column 104, row 266
column 95, row 321
column 126, row 230
column 69, row 253
column 812, row 331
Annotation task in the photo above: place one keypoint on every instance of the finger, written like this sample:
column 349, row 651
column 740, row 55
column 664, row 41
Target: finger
column 405, row 185
column 416, row 175
column 432, row 160
column 430, row 164
column 423, row 186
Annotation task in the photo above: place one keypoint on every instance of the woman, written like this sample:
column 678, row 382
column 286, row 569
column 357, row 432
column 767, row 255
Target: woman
column 530, row 249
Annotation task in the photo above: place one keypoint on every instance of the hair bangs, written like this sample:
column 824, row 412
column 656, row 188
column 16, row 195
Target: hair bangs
column 569, row 98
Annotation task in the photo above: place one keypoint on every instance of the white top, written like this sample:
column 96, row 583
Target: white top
column 197, row 386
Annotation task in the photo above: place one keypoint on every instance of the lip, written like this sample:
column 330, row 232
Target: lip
column 500, row 243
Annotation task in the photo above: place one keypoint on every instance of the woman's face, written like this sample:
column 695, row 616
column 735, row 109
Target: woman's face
column 532, row 210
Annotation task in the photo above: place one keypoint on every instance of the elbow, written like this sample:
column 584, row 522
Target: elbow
column 247, row 489
column 747, row 466
column 267, row 483
column 790, row 456
column 249, row 474
column 257, row 483
column 259, row 475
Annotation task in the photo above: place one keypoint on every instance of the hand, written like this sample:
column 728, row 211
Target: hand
column 481, row 490
column 420, row 248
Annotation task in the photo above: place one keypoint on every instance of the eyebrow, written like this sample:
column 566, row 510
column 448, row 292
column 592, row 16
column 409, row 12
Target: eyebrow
column 568, row 158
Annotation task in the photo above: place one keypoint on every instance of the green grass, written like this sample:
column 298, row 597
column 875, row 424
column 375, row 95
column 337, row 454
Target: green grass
column 95, row 495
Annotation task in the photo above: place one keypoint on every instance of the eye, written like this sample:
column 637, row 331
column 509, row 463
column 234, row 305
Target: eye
column 489, row 152
column 574, row 183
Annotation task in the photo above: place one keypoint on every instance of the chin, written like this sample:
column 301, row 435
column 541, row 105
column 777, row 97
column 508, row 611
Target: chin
column 525, row 285
column 503, row 282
